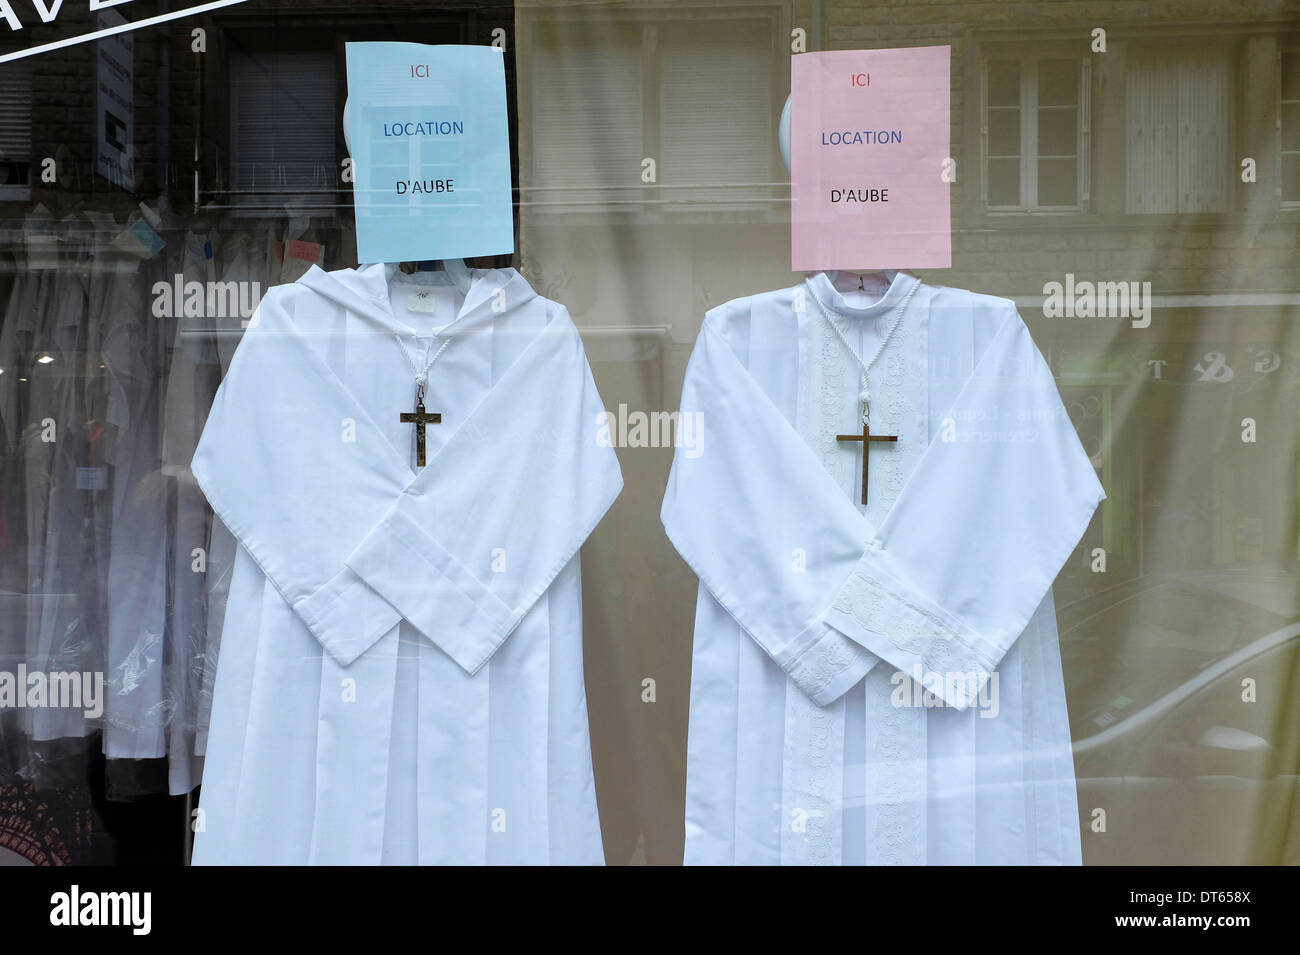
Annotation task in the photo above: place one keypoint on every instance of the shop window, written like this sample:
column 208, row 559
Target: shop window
column 1289, row 125
column 587, row 144
column 1035, row 130
column 708, row 157
column 1177, row 132
column 16, row 130
column 696, row 101
column 282, row 123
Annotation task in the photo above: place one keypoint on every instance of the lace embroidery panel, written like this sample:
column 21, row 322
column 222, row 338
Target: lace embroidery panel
column 813, row 747
column 814, row 736
column 895, row 761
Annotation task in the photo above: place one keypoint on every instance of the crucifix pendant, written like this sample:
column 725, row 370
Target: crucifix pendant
column 420, row 418
column 866, row 438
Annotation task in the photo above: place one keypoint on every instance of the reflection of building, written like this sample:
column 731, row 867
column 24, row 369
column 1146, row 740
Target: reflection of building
column 1073, row 164
column 1166, row 151
column 245, row 111
column 1070, row 159
column 271, row 116
column 119, row 310
column 652, row 188
column 15, row 130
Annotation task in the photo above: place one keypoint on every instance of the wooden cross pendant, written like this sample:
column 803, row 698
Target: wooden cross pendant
column 866, row 438
column 420, row 418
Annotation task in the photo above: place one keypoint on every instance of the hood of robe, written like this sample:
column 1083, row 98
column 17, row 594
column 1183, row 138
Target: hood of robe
column 365, row 291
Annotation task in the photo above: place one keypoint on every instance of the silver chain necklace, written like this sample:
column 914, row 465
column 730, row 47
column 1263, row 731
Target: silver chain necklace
column 864, row 394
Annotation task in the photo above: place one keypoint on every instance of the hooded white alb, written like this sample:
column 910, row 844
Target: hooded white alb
column 400, row 677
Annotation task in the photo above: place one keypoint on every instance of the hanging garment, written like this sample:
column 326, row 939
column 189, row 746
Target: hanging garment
column 62, row 636
column 400, row 677
column 880, row 683
column 245, row 279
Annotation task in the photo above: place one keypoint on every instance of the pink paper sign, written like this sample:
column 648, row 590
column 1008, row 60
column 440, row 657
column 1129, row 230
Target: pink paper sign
column 870, row 159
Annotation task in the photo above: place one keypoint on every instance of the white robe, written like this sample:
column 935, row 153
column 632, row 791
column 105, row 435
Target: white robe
column 400, row 675
column 135, row 714
column 61, row 631
column 815, row 614
column 157, row 628
column 244, row 256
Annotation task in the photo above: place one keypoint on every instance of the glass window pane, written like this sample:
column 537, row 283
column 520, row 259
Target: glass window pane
column 1058, row 182
column 1291, row 75
column 1291, row 178
column 1004, row 182
column 1291, row 126
column 15, row 122
column 1058, row 83
column 282, row 120
column 694, row 146
column 1004, row 132
column 1058, row 132
column 1004, row 83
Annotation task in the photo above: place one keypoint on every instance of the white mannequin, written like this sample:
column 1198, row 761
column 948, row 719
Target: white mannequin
column 782, row 133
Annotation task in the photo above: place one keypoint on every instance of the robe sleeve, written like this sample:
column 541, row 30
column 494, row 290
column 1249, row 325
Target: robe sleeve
column 998, row 501
column 968, row 551
column 355, row 543
column 766, row 529
column 467, row 549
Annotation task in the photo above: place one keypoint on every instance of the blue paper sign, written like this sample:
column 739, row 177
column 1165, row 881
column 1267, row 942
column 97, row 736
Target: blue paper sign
column 430, row 147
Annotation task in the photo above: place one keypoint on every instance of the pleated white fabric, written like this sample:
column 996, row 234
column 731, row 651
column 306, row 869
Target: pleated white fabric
column 877, row 684
column 400, row 674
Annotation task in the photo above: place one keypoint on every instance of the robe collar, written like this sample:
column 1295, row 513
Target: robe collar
column 365, row 291
column 822, row 285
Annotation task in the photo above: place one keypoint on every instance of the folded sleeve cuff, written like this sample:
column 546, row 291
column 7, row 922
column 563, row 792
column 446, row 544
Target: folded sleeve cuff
column 912, row 634
column 433, row 591
column 347, row 616
column 824, row 663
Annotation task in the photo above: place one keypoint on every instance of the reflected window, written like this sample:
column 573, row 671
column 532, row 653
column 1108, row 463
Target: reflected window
column 15, row 129
column 587, row 126
column 282, row 123
column 1177, row 131
column 715, row 123
column 1035, row 128
column 694, row 98
column 1289, row 125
